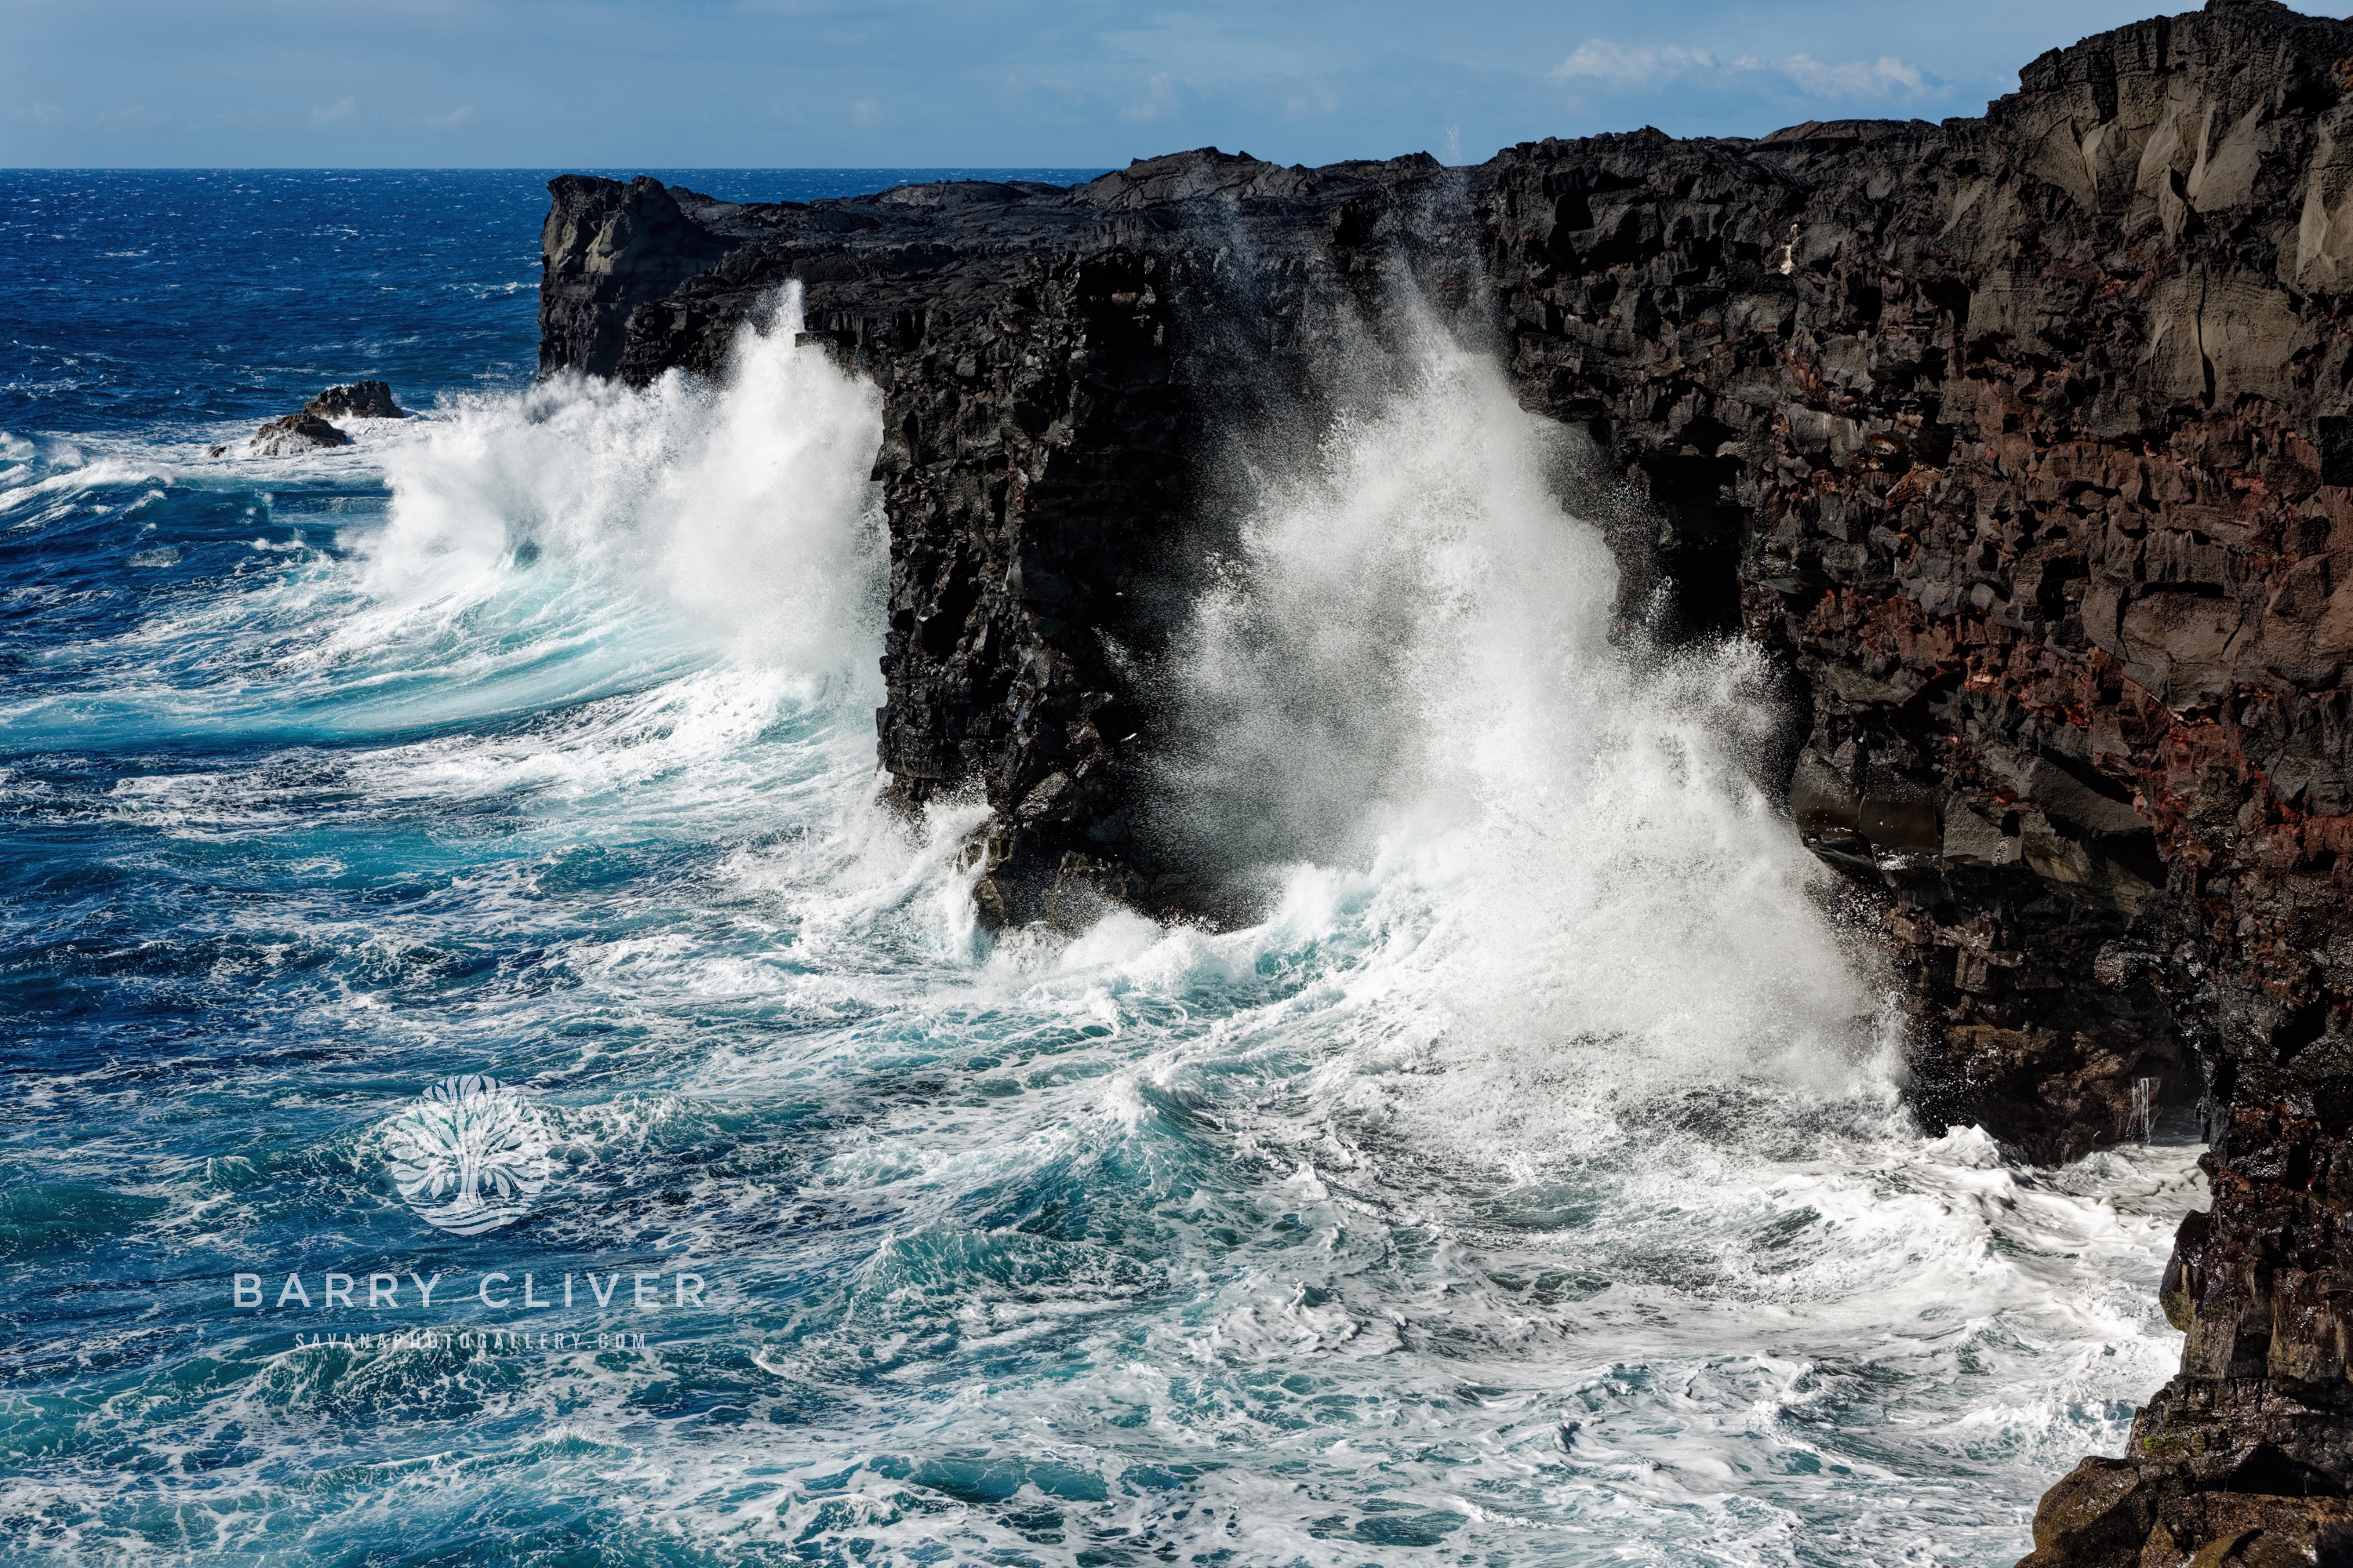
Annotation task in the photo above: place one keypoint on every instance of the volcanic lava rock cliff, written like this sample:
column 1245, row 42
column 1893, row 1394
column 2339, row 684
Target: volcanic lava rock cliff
column 2026, row 441
column 1053, row 364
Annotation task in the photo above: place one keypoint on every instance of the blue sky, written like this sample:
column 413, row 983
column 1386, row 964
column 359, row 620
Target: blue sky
column 742, row 83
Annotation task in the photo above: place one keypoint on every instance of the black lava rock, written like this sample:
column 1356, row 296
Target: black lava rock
column 295, row 434
column 360, row 400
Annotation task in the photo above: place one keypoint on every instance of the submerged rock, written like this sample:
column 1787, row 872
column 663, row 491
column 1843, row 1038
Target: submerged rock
column 294, row 434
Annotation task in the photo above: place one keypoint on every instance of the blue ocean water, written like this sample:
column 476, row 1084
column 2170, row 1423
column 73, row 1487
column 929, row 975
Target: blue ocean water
column 1529, row 1187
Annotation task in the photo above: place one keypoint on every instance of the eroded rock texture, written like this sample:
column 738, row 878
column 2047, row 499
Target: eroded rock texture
column 2025, row 438
column 360, row 400
column 2028, row 441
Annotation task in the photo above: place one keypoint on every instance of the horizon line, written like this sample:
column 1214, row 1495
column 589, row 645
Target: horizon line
column 531, row 168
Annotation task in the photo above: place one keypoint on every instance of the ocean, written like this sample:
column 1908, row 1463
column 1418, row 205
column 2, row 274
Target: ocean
column 486, row 1080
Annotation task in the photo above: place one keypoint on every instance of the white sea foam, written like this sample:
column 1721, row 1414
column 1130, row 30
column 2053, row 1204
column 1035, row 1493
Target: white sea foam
column 66, row 483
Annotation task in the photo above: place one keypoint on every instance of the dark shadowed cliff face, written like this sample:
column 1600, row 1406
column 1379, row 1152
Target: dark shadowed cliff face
column 2027, row 440
column 606, row 247
column 1054, row 366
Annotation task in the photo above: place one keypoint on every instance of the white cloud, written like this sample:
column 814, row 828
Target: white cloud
column 452, row 119
column 865, row 111
column 329, row 113
column 1161, row 100
column 1308, row 99
column 1615, row 65
column 1885, row 77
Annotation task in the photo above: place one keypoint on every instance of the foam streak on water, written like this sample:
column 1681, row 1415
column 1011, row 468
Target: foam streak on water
column 1526, row 1187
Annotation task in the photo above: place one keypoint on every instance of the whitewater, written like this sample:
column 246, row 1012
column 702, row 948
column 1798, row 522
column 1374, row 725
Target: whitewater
column 1529, row 1184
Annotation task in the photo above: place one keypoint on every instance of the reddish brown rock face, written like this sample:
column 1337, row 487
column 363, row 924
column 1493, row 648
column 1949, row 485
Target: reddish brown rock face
column 2027, row 440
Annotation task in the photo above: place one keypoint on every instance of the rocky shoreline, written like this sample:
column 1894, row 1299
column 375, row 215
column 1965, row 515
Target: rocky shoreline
column 2026, row 443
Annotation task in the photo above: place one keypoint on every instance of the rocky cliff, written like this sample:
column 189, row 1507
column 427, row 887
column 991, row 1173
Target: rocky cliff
column 2027, row 441
column 1059, row 368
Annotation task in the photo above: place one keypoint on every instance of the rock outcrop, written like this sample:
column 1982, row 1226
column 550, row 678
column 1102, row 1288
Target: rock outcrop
column 293, row 435
column 2026, row 441
column 360, row 400
column 609, row 248
column 310, row 430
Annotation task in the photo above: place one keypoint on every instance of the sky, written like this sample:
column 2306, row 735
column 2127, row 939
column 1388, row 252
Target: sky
column 968, row 83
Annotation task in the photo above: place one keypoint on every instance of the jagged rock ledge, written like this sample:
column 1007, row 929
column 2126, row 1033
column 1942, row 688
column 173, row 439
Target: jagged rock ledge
column 309, row 429
column 2027, row 441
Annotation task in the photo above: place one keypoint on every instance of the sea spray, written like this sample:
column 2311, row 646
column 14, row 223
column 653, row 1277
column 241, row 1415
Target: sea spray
column 1409, row 667
column 744, row 505
column 576, row 542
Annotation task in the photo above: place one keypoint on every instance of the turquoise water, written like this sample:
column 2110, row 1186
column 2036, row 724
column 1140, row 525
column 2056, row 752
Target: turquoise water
column 1529, row 1187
